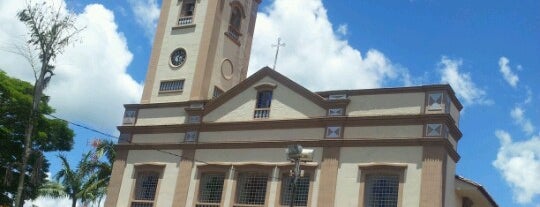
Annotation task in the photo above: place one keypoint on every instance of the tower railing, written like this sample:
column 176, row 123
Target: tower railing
column 234, row 33
column 185, row 20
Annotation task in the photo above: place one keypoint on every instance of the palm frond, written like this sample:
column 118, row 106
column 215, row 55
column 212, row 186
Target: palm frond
column 52, row 189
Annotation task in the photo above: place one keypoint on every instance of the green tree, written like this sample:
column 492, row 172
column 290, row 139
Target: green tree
column 82, row 183
column 50, row 30
column 88, row 182
column 50, row 135
column 103, row 148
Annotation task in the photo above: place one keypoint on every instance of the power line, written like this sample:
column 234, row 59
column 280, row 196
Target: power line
column 129, row 141
column 119, row 138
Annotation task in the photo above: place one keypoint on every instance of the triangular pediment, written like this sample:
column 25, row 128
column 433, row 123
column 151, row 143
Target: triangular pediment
column 289, row 100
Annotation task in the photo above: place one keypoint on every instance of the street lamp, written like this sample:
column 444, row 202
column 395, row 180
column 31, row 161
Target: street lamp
column 296, row 153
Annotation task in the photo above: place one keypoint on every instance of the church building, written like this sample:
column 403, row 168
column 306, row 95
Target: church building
column 206, row 135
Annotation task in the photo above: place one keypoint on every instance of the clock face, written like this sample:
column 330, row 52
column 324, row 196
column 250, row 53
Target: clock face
column 178, row 57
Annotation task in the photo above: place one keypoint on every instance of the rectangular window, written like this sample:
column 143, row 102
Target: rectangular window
column 210, row 189
column 171, row 86
column 381, row 190
column 145, row 189
column 302, row 191
column 264, row 99
column 251, row 188
column 262, row 109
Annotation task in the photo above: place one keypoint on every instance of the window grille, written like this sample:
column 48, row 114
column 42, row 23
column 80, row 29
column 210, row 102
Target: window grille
column 145, row 189
column 139, row 204
column 251, row 188
column 174, row 85
column 264, row 99
column 210, row 189
column 382, row 190
column 302, row 191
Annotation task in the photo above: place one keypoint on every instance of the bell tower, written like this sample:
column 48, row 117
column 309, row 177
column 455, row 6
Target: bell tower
column 201, row 49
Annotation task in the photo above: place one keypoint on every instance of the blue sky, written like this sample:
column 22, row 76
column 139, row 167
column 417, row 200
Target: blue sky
column 487, row 50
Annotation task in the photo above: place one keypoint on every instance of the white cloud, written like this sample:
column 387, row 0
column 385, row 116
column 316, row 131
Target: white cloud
column 507, row 73
column 90, row 83
column 45, row 201
column 529, row 95
column 343, row 29
column 57, row 202
column 146, row 15
column 519, row 163
column 315, row 55
column 518, row 114
column 49, row 202
column 462, row 83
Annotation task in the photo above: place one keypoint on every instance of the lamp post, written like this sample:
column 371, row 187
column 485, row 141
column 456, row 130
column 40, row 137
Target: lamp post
column 296, row 153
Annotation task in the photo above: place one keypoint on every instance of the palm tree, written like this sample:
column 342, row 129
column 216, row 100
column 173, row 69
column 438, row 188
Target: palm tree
column 103, row 148
column 73, row 183
column 88, row 182
column 52, row 189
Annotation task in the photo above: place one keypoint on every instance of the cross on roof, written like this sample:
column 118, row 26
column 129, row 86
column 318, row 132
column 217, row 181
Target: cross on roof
column 278, row 45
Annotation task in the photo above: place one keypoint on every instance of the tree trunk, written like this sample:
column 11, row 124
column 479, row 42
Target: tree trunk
column 73, row 201
column 38, row 92
column 99, row 201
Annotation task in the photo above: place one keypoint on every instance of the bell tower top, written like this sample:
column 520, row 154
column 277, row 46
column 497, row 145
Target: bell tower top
column 201, row 49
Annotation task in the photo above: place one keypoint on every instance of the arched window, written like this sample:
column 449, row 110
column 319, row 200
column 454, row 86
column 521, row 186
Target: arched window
column 186, row 13
column 236, row 18
column 264, row 100
column 235, row 21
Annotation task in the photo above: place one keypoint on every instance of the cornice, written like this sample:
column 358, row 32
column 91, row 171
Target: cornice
column 398, row 142
column 315, row 122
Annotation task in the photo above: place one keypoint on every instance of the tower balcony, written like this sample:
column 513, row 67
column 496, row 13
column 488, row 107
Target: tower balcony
column 234, row 34
column 187, row 20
